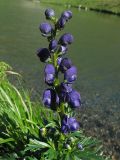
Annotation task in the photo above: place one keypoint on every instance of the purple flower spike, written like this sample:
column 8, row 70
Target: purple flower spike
column 65, row 65
column 69, row 124
column 63, row 50
column 53, row 45
column 50, row 98
column 71, row 74
column 67, row 15
column 49, row 74
column 66, row 39
column 74, row 99
column 49, row 13
column 45, row 28
column 61, row 23
column 43, row 54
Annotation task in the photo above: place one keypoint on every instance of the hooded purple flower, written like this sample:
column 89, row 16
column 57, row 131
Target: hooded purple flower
column 49, row 74
column 66, row 39
column 67, row 15
column 45, row 28
column 65, row 65
column 61, row 23
column 65, row 89
column 53, row 45
column 59, row 60
column 69, row 124
column 74, row 99
column 63, row 50
column 71, row 74
column 43, row 54
column 49, row 13
column 50, row 98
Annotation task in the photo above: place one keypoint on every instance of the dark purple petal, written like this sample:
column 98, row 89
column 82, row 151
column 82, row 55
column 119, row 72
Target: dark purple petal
column 74, row 126
column 47, row 98
column 53, row 45
column 45, row 28
column 49, row 74
column 71, row 74
column 59, row 60
column 69, row 124
column 66, row 87
column 50, row 98
column 74, row 99
column 63, row 50
column 49, row 13
column 43, row 54
column 65, row 64
column 61, row 23
column 67, row 15
column 49, row 69
column 66, row 39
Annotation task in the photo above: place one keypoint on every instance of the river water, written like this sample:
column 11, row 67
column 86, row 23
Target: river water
column 95, row 52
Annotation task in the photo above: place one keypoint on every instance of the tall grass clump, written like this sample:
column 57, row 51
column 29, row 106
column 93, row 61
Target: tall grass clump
column 29, row 131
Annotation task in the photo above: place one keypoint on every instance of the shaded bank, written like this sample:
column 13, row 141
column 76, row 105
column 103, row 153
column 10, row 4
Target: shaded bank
column 109, row 7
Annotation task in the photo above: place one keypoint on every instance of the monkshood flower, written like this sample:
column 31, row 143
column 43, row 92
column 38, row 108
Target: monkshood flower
column 70, row 75
column 50, row 98
column 67, row 15
column 65, row 65
column 59, row 60
column 43, row 54
column 62, row 50
column 53, row 45
column 65, row 89
column 61, row 23
column 66, row 39
column 69, row 124
column 80, row 146
column 49, row 72
column 74, row 99
column 49, row 13
column 45, row 28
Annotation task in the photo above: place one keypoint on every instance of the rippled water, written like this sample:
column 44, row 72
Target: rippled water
column 96, row 53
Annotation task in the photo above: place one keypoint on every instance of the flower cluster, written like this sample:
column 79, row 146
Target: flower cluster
column 60, row 96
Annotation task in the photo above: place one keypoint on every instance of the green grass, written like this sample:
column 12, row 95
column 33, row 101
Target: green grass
column 107, row 5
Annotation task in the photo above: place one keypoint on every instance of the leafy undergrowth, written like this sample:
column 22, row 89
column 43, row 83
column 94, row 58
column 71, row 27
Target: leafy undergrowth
column 29, row 131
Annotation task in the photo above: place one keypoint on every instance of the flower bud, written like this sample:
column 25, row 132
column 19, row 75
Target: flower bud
column 49, row 74
column 66, row 39
column 79, row 146
column 43, row 54
column 53, row 45
column 61, row 23
column 67, row 146
column 45, row 28
column 49, row 13
column 67, row 15
column 59, row 60
column 74, row 99
column 65, row 64
column 71, row 74
column 66, row 87
column 62, row 50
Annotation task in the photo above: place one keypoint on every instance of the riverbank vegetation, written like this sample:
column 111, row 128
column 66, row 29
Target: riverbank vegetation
column 23, row 125
column 109, row 6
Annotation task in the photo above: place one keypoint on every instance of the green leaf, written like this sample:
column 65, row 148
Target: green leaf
column 6, row 140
